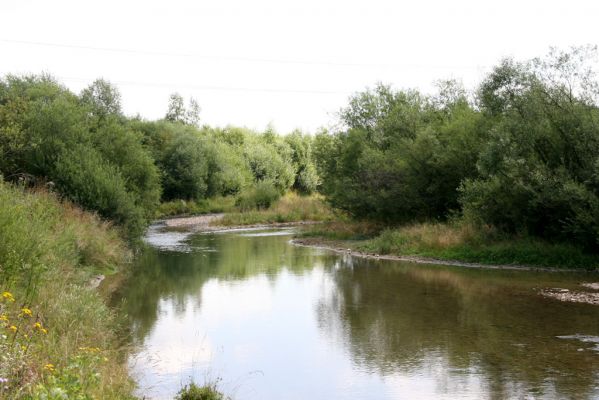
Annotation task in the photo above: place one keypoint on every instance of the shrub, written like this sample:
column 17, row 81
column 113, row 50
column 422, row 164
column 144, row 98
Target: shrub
column 261, row 196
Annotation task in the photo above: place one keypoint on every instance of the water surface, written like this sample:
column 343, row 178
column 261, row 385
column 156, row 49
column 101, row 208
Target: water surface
column 275, row 321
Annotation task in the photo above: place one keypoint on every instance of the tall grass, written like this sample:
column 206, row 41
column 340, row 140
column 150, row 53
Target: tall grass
column 292, row 207
column 57, row 336
column 473, row 243
column 216, row 204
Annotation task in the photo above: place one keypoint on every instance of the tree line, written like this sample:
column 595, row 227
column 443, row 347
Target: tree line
column 520, row 153
column 84, row 148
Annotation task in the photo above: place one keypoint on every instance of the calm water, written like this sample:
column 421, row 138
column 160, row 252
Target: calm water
column 280, row 322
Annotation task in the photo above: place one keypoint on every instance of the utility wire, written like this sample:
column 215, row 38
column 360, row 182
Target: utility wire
column 211, row 87
column 236, row 58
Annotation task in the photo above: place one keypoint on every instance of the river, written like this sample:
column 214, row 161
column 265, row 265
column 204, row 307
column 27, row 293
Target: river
column 269, row 320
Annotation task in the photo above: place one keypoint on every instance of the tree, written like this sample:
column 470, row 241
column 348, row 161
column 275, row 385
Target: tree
column 102, row 98
column 178, row 113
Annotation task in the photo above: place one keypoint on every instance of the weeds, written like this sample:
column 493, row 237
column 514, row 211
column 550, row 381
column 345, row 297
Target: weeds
column 195, row 392
column 49, row 318
column 472, row 243
column 289, row 208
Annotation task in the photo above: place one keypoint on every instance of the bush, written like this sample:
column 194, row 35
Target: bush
column 88, row 180
column 261, row 196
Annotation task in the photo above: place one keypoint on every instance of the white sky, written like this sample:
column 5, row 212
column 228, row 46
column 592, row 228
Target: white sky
column 291, row 63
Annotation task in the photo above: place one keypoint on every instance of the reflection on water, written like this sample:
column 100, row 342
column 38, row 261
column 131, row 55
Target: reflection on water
column 276, row 321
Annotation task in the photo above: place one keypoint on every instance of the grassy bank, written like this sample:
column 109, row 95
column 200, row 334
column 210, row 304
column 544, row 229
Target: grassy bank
column 190, row 207
column 57, row 336
column 458, row 241
column 289, row 208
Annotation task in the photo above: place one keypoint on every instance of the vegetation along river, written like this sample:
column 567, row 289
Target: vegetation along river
column 274, row 321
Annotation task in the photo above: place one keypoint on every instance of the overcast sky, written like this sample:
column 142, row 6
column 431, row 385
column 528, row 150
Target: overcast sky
column 290, row 63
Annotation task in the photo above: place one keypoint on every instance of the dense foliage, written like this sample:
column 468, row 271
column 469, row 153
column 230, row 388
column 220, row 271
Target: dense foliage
column 522, row 154
column 83, row 147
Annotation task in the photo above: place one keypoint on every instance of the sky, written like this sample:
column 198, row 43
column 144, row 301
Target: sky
column 292, row 64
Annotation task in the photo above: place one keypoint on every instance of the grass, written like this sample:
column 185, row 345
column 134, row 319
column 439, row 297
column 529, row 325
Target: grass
column 289, row 208
column 182, row 207
column 57, row 336
column 344, row 229
column 196, row 392
column 471, row 243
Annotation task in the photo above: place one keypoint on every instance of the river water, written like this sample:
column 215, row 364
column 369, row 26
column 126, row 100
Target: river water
column 272, row 321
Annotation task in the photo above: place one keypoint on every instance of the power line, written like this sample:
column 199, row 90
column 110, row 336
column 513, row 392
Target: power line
column 211, row 87
column 235, row 58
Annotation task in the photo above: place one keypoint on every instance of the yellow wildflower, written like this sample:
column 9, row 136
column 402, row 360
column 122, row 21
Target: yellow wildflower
column 37, row 326
column 8, row 296
column 23, row 347
column 49, row 367
column 90, row 349
column 26, row 312
column 13, row 328
column 44, row 331
column 4, row 318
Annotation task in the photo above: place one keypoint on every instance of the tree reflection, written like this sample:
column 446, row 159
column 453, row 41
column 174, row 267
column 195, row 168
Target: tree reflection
column 179, row 276
column 396, row 318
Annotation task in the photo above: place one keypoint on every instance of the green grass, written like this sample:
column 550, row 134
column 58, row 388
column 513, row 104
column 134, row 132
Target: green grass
column 206, row 206
column 343, row 229
column 67, row 343
column 467, row 242
column 289, row 208
column 196, row 392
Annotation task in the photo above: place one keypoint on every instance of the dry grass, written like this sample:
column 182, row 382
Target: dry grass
column 289, row 208
column 468, row 242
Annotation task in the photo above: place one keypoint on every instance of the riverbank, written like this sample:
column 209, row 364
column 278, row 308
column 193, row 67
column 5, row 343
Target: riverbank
column 459, row 242
column 58, row 337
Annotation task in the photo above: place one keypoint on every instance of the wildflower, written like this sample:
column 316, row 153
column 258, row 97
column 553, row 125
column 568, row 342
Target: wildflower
column 23, row 347
column 26, row 312
column 90, row 349
column 8, row 296
column 44, row 331
column 4, row 318
column 13, row 328
column 49, row 367
column 37, row 326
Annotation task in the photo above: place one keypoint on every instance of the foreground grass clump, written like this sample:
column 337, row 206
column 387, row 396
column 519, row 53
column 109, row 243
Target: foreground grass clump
column 195, row 392
column 289, row 208
column 57, row 336
column 182, row 207
column 472, row 243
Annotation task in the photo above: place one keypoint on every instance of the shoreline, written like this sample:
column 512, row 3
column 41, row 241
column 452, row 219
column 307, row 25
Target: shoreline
column 336, row 247
column 204, row 223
